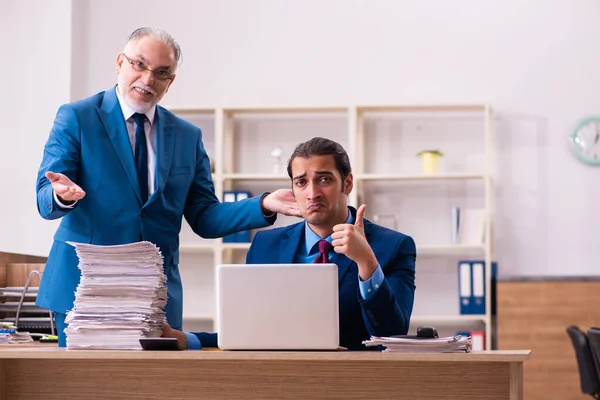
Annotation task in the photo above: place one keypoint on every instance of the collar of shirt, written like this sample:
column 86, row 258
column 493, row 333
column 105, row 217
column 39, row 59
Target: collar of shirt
column 128, row 111
column 311, row 238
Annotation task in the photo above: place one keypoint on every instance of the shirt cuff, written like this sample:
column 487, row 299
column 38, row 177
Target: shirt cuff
column 61, row 205
column 193, row 343
column 269, row 216
column 371, row 285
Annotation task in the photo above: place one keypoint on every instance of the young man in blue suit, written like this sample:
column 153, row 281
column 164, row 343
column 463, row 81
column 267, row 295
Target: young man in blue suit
column 376, row 265
column 118, row 169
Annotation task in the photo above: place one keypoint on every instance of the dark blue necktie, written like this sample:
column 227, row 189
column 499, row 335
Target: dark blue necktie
column 141, row 155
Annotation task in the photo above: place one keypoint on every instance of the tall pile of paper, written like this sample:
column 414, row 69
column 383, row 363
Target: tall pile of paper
column 452, row 344
column 120, row 297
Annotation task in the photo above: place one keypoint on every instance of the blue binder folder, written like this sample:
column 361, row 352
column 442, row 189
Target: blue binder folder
column 472, row 290
column 465, row 287
column 478, row 279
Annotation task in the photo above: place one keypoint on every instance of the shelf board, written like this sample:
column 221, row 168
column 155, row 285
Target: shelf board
column 424, row 108
column 236, row 246
column 448, row 318
column 329, row 109
column 256, row 177
column 199, row 247
column 24, row 309
column 191, row 110
column 211, row 247
column 285, row 110
column 449, row 249
column 27, row 319
column 418, row 177
column 364, row 177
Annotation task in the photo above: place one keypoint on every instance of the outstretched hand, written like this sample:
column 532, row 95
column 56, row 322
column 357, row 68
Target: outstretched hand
column 350, row 240
column 282, row 201
column 65, row 189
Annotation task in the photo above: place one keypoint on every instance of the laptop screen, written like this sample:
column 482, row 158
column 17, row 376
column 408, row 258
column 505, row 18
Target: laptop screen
column 277, row 306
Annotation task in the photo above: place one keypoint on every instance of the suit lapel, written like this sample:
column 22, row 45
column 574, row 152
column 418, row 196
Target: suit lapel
column 289, row 244
column 111, row 116
column 165, row 144
column 343, row 263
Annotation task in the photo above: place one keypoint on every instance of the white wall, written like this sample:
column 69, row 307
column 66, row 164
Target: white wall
column 35, row 74
column 536, row 62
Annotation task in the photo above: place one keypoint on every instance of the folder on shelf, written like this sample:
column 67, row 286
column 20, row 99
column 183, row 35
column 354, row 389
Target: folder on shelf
column 465, row 287
column 455, row 225
column 231, row 196
column 471, row 277
column 478, row 340
column 471, row 226
column 477, row 276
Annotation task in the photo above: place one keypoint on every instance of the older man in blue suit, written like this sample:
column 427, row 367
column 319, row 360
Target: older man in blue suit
column 376, row 265
column 118, row 169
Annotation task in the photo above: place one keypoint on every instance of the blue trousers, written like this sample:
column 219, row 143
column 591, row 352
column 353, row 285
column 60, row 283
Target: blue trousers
column 59, row 318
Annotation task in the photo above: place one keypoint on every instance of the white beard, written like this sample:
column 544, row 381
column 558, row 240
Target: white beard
column 137, row 106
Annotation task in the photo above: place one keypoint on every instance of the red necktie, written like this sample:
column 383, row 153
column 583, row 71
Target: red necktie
column 322, row 257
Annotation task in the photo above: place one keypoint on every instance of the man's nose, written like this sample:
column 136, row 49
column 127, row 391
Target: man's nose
column 147, row 77
column 313, row 191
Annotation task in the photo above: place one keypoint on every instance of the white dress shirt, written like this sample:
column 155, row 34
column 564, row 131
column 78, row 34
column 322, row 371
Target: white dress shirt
column 150, row 129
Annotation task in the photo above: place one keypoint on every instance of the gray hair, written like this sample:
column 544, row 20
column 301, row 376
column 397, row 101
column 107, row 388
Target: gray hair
column 159, row 34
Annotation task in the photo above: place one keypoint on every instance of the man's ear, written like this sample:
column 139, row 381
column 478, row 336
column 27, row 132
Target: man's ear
column 119, row 63
column 348, row 184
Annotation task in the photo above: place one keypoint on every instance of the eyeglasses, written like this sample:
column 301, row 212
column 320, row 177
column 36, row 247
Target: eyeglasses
column 161, row 74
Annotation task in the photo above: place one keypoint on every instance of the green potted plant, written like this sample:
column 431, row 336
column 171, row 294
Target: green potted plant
column 429, row 160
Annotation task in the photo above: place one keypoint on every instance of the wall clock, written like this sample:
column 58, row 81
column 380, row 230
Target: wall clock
column 585, row 141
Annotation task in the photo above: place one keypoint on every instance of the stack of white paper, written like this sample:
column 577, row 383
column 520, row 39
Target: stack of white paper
column 120, row 297
column 452, row 344
column 20, row 338
column 9, row 334
column 6, row 329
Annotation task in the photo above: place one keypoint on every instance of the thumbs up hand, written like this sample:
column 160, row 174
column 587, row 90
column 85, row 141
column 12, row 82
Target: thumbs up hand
column 350, row 240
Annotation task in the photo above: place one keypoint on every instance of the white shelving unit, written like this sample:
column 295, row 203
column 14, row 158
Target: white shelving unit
column 238, row 140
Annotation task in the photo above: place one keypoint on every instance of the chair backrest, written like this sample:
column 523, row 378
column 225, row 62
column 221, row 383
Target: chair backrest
column 594, row 339
column 588, row 374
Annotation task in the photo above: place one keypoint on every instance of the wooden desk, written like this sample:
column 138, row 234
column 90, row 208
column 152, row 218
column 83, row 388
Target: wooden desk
column 53, row 373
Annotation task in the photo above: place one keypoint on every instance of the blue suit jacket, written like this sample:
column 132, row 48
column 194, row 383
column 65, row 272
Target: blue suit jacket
column 89, row 143
column 386, row 313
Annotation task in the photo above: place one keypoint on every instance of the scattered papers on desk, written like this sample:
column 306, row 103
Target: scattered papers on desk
column 451, row 344
column 9, row 334
column 120, row 297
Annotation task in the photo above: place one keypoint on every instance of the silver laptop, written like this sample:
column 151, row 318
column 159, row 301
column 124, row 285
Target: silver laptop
column 277, row 306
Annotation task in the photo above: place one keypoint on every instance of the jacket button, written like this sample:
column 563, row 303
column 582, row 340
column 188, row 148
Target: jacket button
column 144, row 213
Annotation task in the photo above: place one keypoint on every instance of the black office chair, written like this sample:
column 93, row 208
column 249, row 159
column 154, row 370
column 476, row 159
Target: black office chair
column 594, row 338
column 588, row 373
